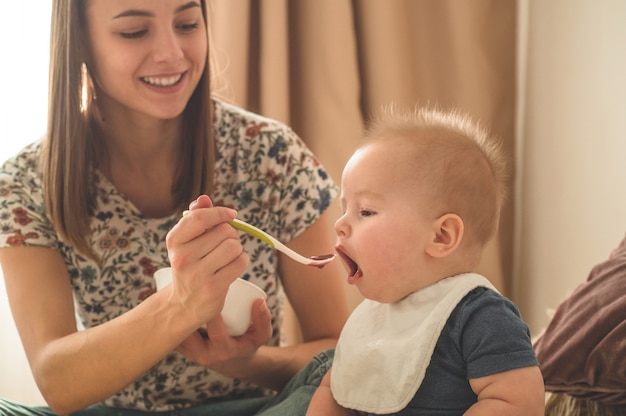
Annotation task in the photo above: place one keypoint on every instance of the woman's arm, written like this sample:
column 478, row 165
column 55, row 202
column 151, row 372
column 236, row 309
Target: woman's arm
column 75, row 369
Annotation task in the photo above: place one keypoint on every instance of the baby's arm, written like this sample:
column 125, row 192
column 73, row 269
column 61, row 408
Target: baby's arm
column 323, row 403
column 514, row 392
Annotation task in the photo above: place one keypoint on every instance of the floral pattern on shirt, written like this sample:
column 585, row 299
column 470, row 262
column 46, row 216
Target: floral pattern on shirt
column 262, row 169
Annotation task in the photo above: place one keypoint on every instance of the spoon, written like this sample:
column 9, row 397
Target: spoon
column 316, row 261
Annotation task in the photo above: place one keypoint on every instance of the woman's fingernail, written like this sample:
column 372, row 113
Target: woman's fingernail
column 264, row 308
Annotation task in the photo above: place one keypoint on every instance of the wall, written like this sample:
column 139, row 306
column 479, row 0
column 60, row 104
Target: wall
column 24, row 38
column 572, row 207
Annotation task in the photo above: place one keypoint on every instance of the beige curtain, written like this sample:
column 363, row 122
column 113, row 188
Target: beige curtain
column 324, row 66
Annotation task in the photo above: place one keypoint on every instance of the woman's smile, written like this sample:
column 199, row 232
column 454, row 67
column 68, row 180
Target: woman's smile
column 163, row 81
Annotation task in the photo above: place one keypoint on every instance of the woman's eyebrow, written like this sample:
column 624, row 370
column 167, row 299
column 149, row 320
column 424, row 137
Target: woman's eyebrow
column 186, row 6
column 146, row 13
column 133, row 12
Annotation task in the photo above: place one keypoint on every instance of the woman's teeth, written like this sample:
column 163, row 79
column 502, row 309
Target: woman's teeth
column 162, row 81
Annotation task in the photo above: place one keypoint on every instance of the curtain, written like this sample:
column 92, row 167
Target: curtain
column 325, row 66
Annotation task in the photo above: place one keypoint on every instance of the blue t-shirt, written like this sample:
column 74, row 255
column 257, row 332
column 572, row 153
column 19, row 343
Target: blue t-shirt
column 484, row 335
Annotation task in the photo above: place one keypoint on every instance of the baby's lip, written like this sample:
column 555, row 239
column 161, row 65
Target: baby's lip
column 351, row 266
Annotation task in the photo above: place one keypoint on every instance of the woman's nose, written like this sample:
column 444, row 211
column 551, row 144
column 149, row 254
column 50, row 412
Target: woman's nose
column 167, row 47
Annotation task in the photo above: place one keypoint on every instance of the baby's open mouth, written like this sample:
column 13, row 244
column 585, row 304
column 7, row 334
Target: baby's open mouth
column 353, row 268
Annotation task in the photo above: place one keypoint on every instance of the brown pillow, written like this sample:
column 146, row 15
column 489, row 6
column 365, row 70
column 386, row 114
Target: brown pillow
column 582, row 352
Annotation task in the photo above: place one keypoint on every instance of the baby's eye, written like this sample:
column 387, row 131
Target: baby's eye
column 366, row 213
column 134, row 35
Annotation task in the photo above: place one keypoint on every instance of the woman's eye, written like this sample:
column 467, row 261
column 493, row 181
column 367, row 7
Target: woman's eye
column 134, row 35
column 188, row 27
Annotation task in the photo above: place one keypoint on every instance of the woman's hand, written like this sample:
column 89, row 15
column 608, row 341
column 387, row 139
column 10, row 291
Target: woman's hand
column 206, row 256
column 193, row 254
column 223, row 353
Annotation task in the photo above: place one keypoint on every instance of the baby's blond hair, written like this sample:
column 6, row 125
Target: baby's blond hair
column 460, row 161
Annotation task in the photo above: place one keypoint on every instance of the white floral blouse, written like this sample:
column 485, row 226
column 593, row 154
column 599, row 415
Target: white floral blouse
column 263, row 170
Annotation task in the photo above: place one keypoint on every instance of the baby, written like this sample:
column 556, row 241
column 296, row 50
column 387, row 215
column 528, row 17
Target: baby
column 420, row 200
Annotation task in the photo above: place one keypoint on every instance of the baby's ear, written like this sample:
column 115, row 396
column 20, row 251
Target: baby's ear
column 447, row 235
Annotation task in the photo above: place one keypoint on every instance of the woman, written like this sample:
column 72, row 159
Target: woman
column 93, row 210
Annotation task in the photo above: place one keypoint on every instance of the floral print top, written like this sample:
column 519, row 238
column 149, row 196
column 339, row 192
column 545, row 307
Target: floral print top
column 262, row 169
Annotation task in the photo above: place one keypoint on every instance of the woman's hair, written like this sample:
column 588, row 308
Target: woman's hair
column 71, row 151
column 564, row 405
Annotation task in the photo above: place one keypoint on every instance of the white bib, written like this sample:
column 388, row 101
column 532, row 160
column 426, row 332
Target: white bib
column 384, row 349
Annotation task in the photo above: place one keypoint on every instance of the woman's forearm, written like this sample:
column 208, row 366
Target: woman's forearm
column 273, row 367
column 88, row 366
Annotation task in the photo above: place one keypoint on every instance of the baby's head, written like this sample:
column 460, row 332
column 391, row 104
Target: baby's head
column 420, row 198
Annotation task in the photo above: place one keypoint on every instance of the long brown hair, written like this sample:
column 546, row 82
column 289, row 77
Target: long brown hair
column 68, row 154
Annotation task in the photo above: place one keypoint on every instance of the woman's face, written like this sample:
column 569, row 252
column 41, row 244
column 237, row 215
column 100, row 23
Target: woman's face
column 148, row 55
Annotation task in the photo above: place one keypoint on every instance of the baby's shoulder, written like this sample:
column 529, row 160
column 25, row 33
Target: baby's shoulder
column 485, row 307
